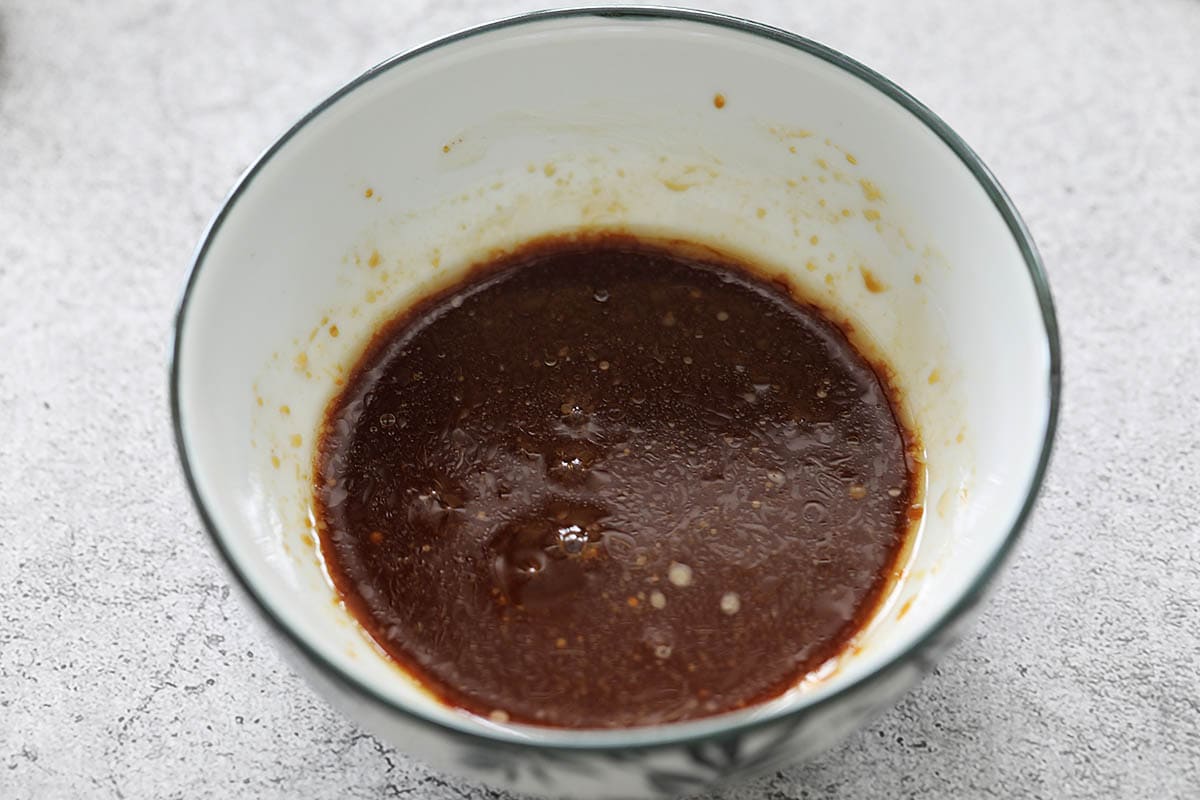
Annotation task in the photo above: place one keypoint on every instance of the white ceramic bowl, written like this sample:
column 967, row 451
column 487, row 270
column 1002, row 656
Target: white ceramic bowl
column 608, row 118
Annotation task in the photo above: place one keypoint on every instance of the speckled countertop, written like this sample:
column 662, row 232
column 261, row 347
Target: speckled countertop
column 127, row 669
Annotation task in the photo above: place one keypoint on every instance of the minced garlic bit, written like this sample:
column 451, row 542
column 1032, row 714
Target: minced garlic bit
column 658, row 599
column 730, row 603
column 679, row 574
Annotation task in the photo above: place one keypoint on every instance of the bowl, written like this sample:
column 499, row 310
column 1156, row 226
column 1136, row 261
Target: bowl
column 732, row 134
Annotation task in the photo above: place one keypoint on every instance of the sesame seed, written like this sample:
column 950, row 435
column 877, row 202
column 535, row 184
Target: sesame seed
column 658, row 599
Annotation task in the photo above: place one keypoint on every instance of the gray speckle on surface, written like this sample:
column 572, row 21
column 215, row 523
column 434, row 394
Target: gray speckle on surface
column 127, row 669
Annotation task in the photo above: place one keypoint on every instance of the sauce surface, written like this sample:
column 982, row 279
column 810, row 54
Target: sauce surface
column 603, row 482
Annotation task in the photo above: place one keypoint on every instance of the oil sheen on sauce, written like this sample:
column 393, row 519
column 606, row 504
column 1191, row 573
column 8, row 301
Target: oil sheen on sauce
column 606, row 482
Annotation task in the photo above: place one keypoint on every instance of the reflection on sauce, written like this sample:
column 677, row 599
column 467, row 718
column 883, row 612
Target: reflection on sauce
column 604, row 483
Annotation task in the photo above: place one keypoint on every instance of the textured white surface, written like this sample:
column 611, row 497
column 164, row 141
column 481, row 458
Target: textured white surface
column 128, row 670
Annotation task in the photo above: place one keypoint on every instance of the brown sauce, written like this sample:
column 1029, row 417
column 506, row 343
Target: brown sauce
column 603, row 482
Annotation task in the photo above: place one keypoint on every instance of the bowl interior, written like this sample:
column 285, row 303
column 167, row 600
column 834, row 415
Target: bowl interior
column 560, row 123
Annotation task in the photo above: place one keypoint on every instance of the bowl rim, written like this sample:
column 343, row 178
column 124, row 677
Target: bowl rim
column 649, row 737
